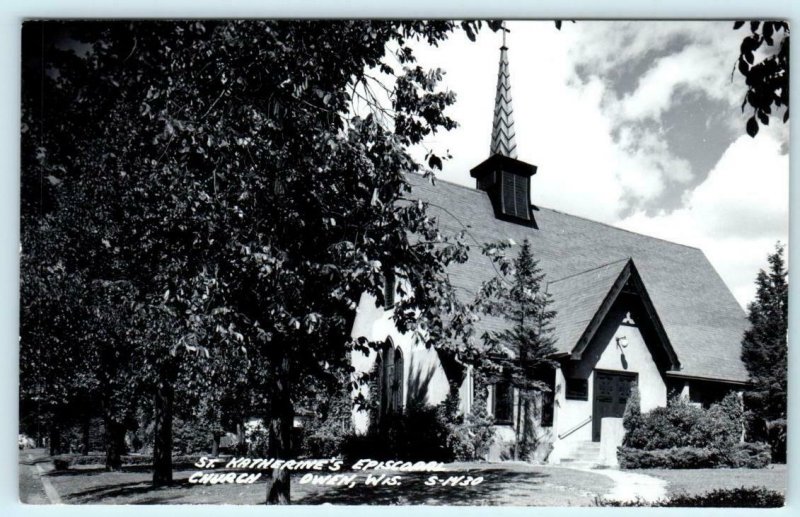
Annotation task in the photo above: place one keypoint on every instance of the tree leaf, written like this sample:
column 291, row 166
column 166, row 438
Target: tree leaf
column 752, row 126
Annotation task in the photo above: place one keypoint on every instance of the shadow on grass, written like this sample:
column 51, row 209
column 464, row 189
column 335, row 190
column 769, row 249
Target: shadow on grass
column 100, row 493
column 414, row 491
column 93, row 471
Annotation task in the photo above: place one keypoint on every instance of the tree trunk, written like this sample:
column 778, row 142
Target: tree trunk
column 241, row 445
column 87, row 426
column 279, row 443
column 115, row 444
column 215, row 437
column 55, row 440
column 519, row 430
column 162, row 447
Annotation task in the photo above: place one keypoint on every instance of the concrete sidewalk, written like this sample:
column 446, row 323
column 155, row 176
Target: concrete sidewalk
column 34, row 487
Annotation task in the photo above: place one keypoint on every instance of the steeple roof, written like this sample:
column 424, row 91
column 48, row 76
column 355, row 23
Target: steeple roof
column 503, row 136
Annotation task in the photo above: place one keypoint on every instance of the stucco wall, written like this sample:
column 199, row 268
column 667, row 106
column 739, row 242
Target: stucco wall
column 603, row 354
column 423, row 378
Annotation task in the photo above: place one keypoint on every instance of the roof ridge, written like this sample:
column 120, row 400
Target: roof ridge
column 609, row 225
column 626, row 259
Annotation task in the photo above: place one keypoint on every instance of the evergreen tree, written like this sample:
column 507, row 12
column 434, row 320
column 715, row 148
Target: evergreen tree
column 521, row 354
column 764, row 349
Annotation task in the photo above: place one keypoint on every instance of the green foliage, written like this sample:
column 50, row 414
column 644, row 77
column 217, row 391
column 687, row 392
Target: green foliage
column 217, row 176
column 632, row 417
column 743, row 497
column 683, row 435
column 469, row 437
column 425, row 433
column 325, row 434
column 741, row 455
column 667, row 458
column 420, row 433
column 521, row 354
column 683, row 424
column 764, row 353
column 767, row 78
column 664, row 427
column 68, row 460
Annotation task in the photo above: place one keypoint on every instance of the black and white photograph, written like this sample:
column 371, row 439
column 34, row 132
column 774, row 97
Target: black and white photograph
column 404, row 262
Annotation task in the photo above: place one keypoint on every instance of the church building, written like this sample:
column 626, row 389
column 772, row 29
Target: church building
column 629, row 309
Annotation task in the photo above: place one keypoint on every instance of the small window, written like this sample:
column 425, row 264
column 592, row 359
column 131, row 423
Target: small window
column 503, row 409
column 388, row 289
column 577, row 389
column 548, row 401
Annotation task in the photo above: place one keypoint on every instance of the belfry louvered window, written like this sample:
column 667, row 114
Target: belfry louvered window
column 516, row 200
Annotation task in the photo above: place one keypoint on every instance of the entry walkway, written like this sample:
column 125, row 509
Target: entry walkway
column 631, row 487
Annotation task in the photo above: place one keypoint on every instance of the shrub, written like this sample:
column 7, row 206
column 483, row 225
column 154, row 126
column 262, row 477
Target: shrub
column 664, row 427
column 776, row 434
column 67, row 460
column 749, row 456
column 324, row 436
column 419, row 433
column 683, row 435
column 742, row 455
column 744, row 497
column 672, row 458
column 470, row 440
column 61, row 463
column 682, row 424
column 424, row 433
column 721, row 425
column 632, row 418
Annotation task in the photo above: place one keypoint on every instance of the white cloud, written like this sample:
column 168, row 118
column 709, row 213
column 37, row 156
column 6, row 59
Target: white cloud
column 735, row 216
column 594, row 153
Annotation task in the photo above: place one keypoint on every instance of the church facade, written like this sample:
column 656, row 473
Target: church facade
column 629, row 309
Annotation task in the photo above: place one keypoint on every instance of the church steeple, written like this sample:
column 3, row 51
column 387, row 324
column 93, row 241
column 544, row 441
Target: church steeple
column 502, row 176
column 503, row 137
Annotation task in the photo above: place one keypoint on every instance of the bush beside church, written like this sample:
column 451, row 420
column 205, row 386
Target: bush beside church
column 683, row 435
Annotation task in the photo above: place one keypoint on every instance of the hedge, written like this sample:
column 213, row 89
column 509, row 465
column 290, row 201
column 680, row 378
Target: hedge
column 744, row 497
column 743, row 455
column 66, row 460
column 682, row 424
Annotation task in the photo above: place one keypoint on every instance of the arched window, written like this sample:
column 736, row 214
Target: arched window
column 397, row 385
column 390, row 367
column 387, row 395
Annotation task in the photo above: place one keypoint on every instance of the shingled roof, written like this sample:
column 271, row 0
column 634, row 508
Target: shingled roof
column 702, row 319
column 577, row 299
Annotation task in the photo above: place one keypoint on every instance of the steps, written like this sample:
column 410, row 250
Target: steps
column 582, row 454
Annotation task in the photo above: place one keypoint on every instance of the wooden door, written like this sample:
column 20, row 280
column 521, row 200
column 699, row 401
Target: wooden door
column 611, row 392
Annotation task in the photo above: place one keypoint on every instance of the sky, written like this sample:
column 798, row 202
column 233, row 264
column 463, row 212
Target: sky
column 634, row 124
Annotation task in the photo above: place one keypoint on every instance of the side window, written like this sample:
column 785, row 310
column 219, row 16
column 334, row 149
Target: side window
column 389, row 289
column 548, row 401
column 576, row 389
column 503, row 400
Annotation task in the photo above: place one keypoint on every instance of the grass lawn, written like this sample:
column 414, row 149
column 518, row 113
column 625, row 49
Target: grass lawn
column 505, row 484
column 697, row 481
